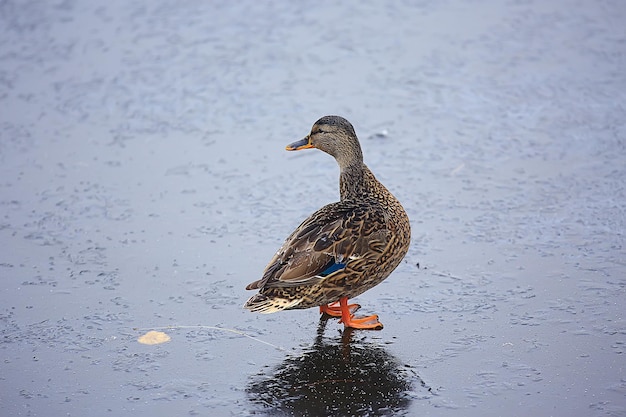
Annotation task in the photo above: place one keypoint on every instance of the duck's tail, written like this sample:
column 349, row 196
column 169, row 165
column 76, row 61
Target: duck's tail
column 261, row 303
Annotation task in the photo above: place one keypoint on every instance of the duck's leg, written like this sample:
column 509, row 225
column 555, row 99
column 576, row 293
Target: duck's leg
column 334, row 309
column 348, row 319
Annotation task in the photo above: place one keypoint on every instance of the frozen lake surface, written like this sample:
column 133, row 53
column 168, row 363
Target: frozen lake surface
column 144, row 183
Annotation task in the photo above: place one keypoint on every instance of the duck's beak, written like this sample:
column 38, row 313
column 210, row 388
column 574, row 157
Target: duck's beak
column 301, row 144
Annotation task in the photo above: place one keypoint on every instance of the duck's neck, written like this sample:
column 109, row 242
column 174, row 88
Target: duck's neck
column 357, row 182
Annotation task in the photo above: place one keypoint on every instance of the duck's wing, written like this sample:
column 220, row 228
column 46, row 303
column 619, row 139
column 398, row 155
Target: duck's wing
column 337, row 235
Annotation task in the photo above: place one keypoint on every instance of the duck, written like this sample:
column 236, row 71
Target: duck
column 344, row 248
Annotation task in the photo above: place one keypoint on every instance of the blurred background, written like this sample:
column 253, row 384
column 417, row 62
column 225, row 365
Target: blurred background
column 144, row 183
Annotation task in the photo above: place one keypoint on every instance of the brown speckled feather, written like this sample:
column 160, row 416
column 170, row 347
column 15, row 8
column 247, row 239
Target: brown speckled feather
column 342, row 232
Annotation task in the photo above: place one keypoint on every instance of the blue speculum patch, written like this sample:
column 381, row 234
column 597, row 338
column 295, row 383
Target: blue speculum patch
column 334, row 267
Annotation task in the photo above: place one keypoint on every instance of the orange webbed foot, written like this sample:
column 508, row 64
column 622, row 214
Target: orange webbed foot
column 349, row 321
column 367, row 323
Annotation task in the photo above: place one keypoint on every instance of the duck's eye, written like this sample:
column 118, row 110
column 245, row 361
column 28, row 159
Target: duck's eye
column 320, row 131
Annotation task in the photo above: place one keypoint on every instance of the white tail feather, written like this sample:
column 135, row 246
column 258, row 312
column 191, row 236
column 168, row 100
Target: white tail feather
column 260, row 303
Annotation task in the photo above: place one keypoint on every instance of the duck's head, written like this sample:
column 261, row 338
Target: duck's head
column 335, row 136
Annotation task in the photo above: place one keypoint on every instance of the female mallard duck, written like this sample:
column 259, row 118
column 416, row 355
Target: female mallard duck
column 344, row 248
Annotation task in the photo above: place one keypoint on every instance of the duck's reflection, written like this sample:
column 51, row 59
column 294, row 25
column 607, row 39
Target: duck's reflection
column 346, row 376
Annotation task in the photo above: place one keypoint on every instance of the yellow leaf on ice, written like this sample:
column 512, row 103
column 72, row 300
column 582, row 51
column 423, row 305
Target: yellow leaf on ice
column 154, row 338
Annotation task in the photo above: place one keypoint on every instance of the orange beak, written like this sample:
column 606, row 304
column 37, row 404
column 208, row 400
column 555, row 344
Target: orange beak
column 301, row 144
